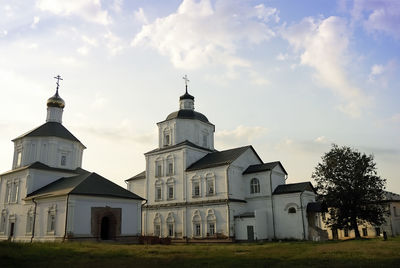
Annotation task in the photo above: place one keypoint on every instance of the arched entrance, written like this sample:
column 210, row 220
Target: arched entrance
column 105, row 228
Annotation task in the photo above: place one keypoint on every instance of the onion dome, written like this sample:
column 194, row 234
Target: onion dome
column 186, row 96
column 56, row 101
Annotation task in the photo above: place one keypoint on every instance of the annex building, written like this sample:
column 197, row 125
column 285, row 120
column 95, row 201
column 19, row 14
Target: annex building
column 48, row 196
column 194, row 191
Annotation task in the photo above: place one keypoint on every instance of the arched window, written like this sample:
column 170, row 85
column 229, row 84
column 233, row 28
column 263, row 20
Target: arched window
column 171, row 224
column 211, row 223
column 254, row 186
column 210, row 184
column 158, row 190
column 196, row 220
column 170, row 165
column 167, row 137
column 196, row 189
column 157, row 225
column 159, row 167
column 292, row 210
column 170, row 188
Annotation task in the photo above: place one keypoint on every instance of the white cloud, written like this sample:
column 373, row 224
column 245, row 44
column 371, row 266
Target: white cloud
column 378, row 15
column 113, row 43
column 36, row 20
column 323, row 45
column 140, row 16
column 321, row 139
column 282, row 57
column 89, row 10
column 3, row 33
column 198, row 33
column 239, row 136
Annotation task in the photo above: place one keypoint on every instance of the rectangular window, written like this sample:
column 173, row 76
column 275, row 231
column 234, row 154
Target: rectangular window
column 3, row 222
column 205, row 140
column 170, row 192
column 210, row 187
column 51, row 222
column 19, row 159
column 166, row 140
column 15, row 189
column 158, row 170
column 8, row 193
column 365, row 231
column 197, row 229
column 170, row 229
column 170, row 168
column 157, row 230
column 196, row 188
column 63, row 160
column 211, row 229
column 158, row 193
column 29, row 223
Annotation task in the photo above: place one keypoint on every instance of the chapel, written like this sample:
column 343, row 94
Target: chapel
column 196, row 192
column 48, row 196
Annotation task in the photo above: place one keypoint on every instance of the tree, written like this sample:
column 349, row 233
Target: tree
column 348, row 182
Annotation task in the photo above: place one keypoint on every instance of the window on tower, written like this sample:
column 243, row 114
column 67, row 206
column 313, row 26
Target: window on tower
column 19, row 159
column 63, row 160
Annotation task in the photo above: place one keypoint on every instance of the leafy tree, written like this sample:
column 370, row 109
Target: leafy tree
column 348, row 182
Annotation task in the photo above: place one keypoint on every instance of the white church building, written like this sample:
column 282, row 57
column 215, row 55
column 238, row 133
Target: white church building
column 194, row 192
column 47, row 196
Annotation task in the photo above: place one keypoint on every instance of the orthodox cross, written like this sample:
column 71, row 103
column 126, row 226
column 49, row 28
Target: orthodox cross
column 58, row 77
column 186, row 81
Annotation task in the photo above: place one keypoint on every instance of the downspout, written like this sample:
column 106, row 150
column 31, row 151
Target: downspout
column 272, row 204
column 227, row 202
column 66, row 219
column 302, row 215
column 34, row 220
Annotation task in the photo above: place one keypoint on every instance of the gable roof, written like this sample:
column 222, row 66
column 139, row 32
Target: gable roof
column 221, row 158
column 40, row 166
column 263, row 167
column 294, row 188
column 186, row 142
column 49, row 129
column 141, row 175
column 84, row 184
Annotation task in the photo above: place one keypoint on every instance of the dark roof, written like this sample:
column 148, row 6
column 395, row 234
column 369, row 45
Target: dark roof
column 186, row 96
column 50, row 129
column 188, row 114
column 263, row 167
column 186, row 142
column 85, row 184
column 141, row 175
column 294, row 188
column 389, row 196
column 220, row 158
column 317, row 207
column 41, row 166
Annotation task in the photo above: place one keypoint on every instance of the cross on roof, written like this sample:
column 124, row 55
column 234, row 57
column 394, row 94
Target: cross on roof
column 186, row 81
column 58, row 77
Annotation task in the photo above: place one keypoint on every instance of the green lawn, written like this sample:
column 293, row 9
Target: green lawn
column 363, row 253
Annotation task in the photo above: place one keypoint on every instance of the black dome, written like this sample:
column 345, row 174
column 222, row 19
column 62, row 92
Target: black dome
column 186, row 96
column 188, row 114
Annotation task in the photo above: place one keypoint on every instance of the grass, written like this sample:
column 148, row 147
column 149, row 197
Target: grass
column 360, row 253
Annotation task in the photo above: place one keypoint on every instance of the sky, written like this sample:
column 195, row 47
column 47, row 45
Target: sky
column 288, row 77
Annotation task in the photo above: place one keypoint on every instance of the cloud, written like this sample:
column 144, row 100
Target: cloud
column 199, row 34
column 89, row 10
column 380, row 73
column 323, row 45
column 378, row 16
column 140, row 16
column 239, row 136
column 36, row 20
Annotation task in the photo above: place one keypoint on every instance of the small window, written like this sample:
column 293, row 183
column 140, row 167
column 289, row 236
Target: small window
column 167, row 140
column 157, row 229
column 254, row 186
column 19, row 159
column 170, row 168
column 158, row 193
column 197, row 229
column 158, row 170
column 51, row 220
column 196, row 188
column 211, row 229
column 365, row 231
column 210, row 186
column 63, row 160
column 292, row 210
column 170, row 192
column 170, row 229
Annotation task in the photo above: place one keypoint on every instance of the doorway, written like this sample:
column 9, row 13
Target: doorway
column 250, row 232
column 105, row 228
column 12, row 230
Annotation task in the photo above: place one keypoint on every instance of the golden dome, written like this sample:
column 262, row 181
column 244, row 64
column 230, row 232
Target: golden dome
column 56, row 101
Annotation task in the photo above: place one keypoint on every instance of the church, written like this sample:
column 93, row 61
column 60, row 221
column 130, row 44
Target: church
column 194, row 192
column 48, row 196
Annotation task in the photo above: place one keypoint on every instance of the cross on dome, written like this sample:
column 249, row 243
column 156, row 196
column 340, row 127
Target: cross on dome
column 186, row 81
column 58, row 77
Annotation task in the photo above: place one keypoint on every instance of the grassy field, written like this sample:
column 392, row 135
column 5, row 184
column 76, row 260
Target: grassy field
column 363, row 253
